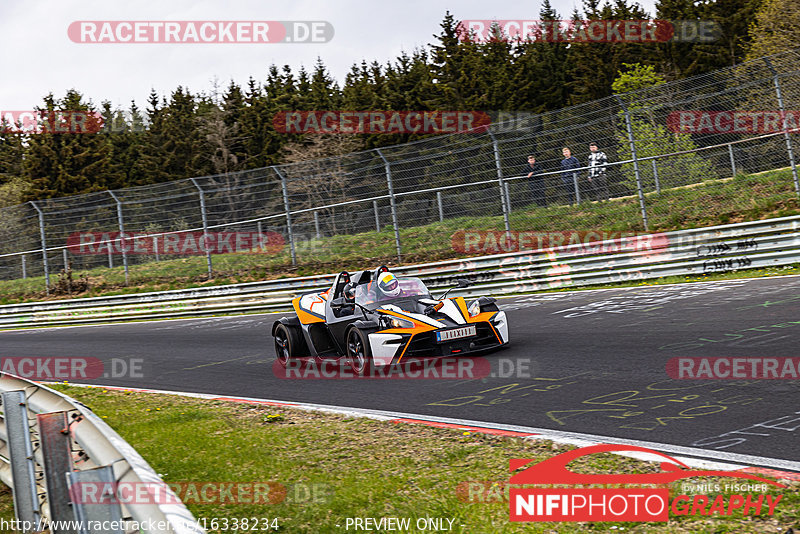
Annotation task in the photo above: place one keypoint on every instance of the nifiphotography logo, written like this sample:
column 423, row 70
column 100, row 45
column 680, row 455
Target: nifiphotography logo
column 642, row 504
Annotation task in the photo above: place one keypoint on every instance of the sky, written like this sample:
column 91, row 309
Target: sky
column 39, row 57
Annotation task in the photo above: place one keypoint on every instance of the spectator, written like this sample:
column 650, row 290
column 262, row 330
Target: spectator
column 533, row 171
column 569, row 179
column 598, row 182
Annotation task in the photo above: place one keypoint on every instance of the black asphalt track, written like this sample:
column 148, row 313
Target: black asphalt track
column 590, row 362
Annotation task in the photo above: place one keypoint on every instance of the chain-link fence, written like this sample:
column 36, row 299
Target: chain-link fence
column 409, row 201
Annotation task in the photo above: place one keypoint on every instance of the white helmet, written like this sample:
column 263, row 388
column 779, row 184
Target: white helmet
column 389, row 285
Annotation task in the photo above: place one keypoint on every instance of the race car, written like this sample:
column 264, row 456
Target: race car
column 376, row 319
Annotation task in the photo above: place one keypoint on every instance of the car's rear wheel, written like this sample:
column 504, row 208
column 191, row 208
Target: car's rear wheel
column 359, row 353
column 289, row 343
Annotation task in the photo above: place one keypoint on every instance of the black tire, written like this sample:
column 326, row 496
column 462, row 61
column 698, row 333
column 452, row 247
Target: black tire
column 289, row 343
column 359, row 353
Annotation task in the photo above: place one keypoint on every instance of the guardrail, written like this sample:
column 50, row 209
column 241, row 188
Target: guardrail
column 756, row 244
column 68, row 445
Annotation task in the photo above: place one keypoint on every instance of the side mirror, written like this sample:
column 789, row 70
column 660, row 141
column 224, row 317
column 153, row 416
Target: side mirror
column 463, row 282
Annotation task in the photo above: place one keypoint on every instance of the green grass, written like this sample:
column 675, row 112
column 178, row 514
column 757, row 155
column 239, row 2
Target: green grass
column 336, row 467
column 742, row 198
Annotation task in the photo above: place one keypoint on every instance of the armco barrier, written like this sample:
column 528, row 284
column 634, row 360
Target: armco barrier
column 757, row 244
column 73, row 438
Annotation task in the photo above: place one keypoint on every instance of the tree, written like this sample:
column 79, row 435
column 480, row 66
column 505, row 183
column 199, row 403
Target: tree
column 651, row 137
column 776, row 28
column 61, row 164
column 12, row 151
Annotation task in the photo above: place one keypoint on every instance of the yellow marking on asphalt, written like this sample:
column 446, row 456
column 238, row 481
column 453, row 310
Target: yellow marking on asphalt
column 216, row 363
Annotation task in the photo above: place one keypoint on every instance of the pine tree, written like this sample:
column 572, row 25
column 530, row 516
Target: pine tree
column 61, row 164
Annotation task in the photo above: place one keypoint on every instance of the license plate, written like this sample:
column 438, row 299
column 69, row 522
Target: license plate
column 456, row 333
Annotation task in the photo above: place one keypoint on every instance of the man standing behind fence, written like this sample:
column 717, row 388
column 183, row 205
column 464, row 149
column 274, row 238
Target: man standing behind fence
column 533, row 171
column 598, row 182
column 569, row 179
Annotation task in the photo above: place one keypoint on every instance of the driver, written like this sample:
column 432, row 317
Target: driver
column 388, row 286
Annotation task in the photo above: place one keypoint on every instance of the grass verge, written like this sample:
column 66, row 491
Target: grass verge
column 335, row 467
column 742, row 198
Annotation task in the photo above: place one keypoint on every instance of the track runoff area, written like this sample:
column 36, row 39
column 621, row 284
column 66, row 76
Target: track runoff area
column 706, row 370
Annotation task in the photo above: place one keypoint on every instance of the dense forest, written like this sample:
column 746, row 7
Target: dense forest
column 186, row 134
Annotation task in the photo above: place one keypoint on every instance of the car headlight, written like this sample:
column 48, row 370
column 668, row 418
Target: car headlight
column 474, row 308
column 387, row 321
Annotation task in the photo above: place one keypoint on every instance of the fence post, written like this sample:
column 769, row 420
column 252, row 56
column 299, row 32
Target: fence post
column 439, row 202
column 733, row 160
column 316, row 224
column 504, row 202
column 635, row 161
column 155, row 248
column 260, row 231
column 24, row 268
column 786, row 135
column 205, row 227
column 55, row 440
column 110, row 257
column 66, row 268
column 121, row 223
column 655, row 176
column 107, row 511
column 392, row 202
column 288, row 214
column 44, row 247
column 21, row 459
column 577, row 188
column 377, row 215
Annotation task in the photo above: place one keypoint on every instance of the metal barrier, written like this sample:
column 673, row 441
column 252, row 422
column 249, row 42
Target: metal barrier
column 656, row 139
column 49, row 443
column 772, row 242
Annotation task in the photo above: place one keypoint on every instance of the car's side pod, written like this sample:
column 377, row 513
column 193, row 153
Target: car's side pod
column 288, row 321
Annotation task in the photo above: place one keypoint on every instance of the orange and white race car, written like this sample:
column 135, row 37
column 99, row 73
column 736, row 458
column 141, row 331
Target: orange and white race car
column 374, row 318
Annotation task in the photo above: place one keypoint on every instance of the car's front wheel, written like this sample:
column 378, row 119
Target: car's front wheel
column 288, row 343
column 359, row 353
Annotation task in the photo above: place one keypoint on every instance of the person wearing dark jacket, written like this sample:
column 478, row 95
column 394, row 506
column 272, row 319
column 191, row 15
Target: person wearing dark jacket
column 533, row 171
column 568, row 177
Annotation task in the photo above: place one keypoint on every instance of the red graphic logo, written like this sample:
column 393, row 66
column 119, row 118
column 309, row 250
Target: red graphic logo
column 618, row 504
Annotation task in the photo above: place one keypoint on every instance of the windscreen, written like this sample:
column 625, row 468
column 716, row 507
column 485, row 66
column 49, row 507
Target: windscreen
column 369, row 294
